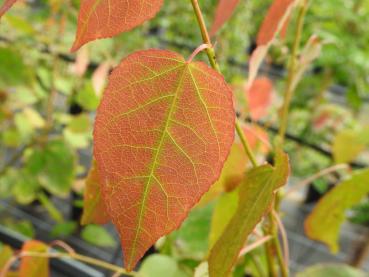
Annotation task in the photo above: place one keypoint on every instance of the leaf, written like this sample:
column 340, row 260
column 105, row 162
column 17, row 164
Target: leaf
column 53, row 166
column 336, row 270
column 178, row 118
column 274, row 21
column 82, row 61
column 6, row 6
column 192, row 238
column 347, row 146
column 34, row 266
column 259, row 97
column 107, row 18
column 276, row 18
column 255, row 198
column 13, row 70
column 223, row 13
column 97, row 235
column 93, row 207
column 224, row 210
column 158, row 265
column 5, row 254
column 63, row 230
column 324, row 222
column 231, row 176
column 87, row 97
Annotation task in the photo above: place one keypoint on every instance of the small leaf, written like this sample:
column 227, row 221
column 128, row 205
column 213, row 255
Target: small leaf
column 6, row 6
column 34, row 266
column 93, row 207
column 158, row 265
column 324, row 222
column 87, row 97
column 98, row 236
column 178, row 118
column 53, row 166
column 326, row 270
column 223, row 13
column 256, row 195
column 259, row 97
column 63, row 230
column 274, row 21
column 107, row 18
column 347, row 146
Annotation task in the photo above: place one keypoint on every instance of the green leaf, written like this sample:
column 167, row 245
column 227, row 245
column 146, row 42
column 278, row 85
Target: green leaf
column 326, row 270
column 158, row 265
column 23, row 227
column 192, row 238
column 53, row 165
column 11, row 138
column 12, row 69
column 324, row 222
column 223, row 212
column 25, row 187
column 64, row 229
column 256, row 195
column 87, row 97
column 5, row 254
column 98, row 236
column 347, row 145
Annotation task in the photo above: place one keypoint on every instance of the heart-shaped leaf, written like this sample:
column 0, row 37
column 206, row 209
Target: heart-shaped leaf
column 163, row 131
column 107, row 18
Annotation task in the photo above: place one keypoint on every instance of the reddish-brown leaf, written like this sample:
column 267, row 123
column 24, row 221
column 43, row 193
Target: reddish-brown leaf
column 94, row 210
column 6, row 6
column 34, row 266
column 163, row 131
column 274, row 21
column 107, row 18
column 223, row 13
column 259, row 97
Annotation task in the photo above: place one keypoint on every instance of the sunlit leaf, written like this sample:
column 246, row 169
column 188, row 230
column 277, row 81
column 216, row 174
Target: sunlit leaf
column 107, row 18
column 163, row 131
column 34, row 266
column 324, row 222
column 13, row 70
column 93, row 206
column 223, row 13
column 158, row 265
column 336, row 270
column 256, row 195
column 87, row 97
column 97, row 235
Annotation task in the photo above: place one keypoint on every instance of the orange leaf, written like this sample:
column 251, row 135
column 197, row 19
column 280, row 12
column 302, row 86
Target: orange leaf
column 274, row 21
column 259, row 97
column 100, row 76
column 6, row 6
column 223, row 13
column 34, row 266
column 163, row 131
column 107, row 18
column 93, row 206
column 257, row 137
column 82, row 61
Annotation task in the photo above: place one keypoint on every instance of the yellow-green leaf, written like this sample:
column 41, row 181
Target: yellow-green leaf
column 255, row 198
column 324, row 222
column 347, row 145
column 34, row 266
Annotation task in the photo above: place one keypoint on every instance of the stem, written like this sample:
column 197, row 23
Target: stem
column 291, row 73
column 74, row 256
column 212, row 59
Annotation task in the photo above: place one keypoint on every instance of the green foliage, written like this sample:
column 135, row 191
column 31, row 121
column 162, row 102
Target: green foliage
column 98, row 236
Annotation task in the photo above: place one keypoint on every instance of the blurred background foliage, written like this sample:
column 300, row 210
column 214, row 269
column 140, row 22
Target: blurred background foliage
column 48, row 98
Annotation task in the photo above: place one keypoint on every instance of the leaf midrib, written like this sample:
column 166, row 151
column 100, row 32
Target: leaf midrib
column 154, row 164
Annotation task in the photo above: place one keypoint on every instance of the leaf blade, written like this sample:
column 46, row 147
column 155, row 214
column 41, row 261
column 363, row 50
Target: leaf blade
column 255, row 199
column 106, row 18
column 223, row 13
column 185, row 118
column 6, row 6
